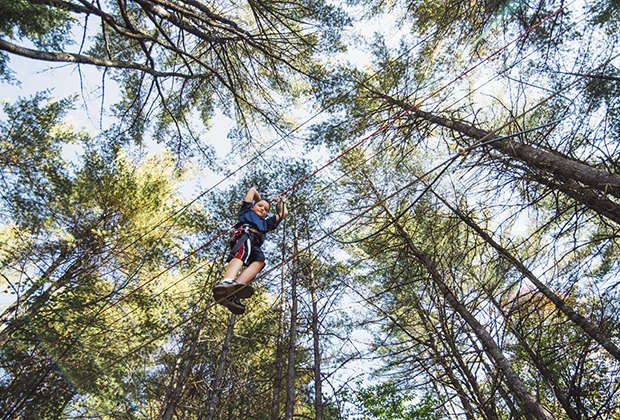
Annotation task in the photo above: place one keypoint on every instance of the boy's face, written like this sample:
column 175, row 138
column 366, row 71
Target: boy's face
column 261, row 208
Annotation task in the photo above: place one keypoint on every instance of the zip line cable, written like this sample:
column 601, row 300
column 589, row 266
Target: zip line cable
column 238, row 169
column 382, row 128
column 306, row 248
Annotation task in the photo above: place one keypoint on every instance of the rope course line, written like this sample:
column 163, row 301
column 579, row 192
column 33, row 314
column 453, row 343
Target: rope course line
column 175, row 215
column 228, row 176
column 182, row 209
column 382, row 128
column 351, row 220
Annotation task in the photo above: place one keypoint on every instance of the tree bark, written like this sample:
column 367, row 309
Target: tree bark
column 589, row 328
column 529, row 404
column 541, row 366
column 592, row 199
column 291, row 371
column 277, row 382
column 216, row 383
column 553, row 163
column 318, row 392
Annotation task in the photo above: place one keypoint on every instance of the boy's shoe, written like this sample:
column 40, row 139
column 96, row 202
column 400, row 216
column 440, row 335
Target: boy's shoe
column 229, row 288
column 234, row 305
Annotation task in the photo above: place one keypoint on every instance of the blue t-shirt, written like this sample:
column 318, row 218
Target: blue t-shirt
column 247, row 215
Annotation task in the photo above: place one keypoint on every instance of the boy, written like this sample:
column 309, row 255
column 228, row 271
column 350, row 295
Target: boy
column 245, row 251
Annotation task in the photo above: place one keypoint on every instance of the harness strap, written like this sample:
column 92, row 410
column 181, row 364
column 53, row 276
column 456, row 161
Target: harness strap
column 247, row 229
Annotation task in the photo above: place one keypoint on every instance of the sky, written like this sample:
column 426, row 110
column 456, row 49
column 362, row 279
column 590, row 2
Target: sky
column 66, row 80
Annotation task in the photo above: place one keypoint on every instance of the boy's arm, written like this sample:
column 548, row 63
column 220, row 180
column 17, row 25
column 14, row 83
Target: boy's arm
column 281, row 209
column 251, row 195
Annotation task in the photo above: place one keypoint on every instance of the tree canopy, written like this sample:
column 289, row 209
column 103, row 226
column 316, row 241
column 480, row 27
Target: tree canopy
column 451, row 172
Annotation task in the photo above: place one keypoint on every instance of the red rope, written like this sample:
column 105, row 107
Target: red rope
column 388, row 123
column 168, row 268
column 383, row 127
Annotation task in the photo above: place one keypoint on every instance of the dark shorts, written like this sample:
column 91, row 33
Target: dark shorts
column 246, row 247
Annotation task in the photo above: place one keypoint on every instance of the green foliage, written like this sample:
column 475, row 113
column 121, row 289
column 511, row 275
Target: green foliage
column 79, row 235
column 606, row 12
column 85, row 233
column 5, row 72
column 35, row 138
column 386, row 402
column 45, row 26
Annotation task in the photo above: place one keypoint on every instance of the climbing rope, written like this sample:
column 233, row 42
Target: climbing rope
column 382, row 128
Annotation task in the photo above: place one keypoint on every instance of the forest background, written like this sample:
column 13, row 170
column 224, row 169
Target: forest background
column 452, row 174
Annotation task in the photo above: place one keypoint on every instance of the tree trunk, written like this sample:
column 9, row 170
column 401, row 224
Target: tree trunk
column 592, row 199
column 483, row 403
column 74, row 270
column 318, row 396
column 216, row 383
column 290, row 381
column 277, row 381
column 177, row 382
column 553, row 163
column 541, row 366
column 436, row 354
column 14, row 307
column 529, row 404
column 589, row 328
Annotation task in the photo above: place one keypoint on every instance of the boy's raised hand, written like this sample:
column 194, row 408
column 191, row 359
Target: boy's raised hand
column 281, row 211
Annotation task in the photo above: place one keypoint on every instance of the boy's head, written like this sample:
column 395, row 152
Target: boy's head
column 261, row 208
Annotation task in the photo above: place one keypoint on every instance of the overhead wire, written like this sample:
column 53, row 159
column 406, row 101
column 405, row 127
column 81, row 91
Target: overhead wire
column 175, row 215
column 384, row 126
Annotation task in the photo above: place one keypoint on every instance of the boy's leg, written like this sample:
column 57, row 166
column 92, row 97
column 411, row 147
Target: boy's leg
column 250, row 272
column 232, row 268
column 229, row 287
